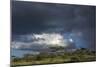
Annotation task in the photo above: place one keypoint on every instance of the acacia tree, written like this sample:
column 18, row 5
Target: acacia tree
column 56, row 48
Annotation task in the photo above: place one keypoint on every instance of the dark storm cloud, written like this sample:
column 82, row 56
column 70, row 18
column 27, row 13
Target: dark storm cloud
column 35, row 17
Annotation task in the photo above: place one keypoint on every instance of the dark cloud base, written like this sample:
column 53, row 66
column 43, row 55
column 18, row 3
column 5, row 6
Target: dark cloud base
column 36, row 17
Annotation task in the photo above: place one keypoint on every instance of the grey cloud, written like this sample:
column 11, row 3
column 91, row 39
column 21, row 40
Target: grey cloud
column 35, row 17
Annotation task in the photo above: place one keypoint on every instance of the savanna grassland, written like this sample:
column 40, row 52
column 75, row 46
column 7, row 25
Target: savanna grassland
column 79, row 55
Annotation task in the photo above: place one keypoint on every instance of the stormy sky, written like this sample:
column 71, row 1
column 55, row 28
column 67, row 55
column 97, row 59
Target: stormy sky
column 35, row 23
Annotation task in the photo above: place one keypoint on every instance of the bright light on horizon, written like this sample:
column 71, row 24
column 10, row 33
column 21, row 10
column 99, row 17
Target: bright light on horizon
column 53, row 39
column 71, row 40
column 42, row 40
